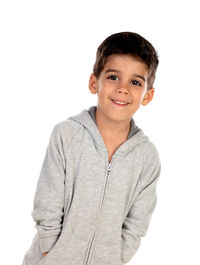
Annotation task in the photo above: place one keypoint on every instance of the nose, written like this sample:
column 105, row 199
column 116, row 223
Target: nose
column 122, row 90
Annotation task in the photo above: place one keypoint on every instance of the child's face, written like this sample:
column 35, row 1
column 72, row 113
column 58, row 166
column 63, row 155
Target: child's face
column 123, row 78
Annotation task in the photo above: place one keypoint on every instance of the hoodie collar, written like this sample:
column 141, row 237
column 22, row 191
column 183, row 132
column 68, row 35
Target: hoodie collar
column 87, row 119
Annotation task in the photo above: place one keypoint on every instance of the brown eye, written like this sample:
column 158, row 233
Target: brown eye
column 135, row 82
column 112, row 77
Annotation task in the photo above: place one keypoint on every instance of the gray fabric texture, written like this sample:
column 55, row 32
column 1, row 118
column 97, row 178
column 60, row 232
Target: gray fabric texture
column 86, row 210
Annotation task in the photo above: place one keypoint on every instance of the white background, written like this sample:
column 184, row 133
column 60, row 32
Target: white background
column 47, row 51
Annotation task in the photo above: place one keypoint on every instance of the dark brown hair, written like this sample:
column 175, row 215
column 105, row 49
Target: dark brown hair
column 127, row 43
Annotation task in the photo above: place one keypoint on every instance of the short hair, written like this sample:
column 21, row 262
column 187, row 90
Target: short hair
column 127, row 43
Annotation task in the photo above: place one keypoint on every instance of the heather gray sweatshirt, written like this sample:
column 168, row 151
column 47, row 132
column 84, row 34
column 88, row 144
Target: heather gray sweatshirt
column 89, row 211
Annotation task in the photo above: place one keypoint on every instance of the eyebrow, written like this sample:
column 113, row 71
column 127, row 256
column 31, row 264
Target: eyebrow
column 117, row 71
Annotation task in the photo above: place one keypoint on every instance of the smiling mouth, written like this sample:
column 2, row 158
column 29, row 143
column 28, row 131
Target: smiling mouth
column 120, row 103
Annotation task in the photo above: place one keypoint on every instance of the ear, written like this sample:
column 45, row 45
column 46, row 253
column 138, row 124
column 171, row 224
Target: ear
column 148, row 96
column 93, row 86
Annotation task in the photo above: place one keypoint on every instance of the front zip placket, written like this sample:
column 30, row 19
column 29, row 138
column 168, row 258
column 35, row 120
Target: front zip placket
column 98, row 221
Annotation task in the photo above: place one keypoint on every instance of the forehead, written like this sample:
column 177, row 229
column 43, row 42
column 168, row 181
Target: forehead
column 126, row 63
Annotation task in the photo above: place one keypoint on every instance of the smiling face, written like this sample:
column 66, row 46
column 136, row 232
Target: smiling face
column 124, row 79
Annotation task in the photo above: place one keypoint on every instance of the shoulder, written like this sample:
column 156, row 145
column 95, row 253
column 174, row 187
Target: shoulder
column 66, row 129
column 151, row 165
column 150, row 152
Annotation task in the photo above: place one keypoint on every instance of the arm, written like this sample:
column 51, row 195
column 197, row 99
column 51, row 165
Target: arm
column 49, row 195
column 137, row 220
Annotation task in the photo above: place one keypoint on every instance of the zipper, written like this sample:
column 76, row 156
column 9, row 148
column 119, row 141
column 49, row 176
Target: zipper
column 104, row 191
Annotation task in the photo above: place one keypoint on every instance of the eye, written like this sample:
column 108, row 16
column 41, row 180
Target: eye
column 135, row 82
column 112, row 77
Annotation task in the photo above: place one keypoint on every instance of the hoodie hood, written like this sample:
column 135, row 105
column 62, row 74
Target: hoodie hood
column 85, row 119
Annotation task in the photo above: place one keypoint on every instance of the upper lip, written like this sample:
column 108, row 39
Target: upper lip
column 120, row 100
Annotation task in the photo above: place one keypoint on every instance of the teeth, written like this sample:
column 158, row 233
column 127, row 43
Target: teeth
column 119, row 102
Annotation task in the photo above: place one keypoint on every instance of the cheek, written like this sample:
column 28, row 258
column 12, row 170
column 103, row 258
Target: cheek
column 137, row 95
column 140, row 94
column 103, row 90
column 102, row 94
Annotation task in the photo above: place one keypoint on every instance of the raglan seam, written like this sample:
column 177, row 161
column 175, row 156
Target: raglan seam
column 155, row 164
column 69, row 141
column 142, row 154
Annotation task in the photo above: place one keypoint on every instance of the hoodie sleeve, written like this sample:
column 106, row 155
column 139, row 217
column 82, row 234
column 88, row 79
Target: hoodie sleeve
column 137, row 220
column 49, row 196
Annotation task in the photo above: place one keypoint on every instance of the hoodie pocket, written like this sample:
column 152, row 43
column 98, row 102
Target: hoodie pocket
column 33, row 254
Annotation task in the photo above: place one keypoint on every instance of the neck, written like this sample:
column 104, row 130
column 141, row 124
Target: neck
column 112, row 129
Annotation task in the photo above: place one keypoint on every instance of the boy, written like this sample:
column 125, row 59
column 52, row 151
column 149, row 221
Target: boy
column 97, row 186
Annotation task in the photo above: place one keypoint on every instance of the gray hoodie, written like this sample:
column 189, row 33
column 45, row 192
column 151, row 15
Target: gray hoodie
column 89, row 211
